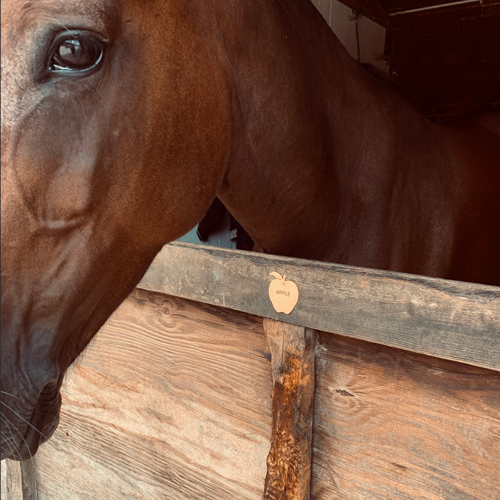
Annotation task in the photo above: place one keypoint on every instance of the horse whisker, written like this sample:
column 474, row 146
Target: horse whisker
column 57, row 22
column 106, row 108
column 25, row 421
column 9, row 424
column 9, row 394
column 9, row 441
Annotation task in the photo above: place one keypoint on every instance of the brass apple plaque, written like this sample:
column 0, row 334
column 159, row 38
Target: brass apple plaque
column 284, row 295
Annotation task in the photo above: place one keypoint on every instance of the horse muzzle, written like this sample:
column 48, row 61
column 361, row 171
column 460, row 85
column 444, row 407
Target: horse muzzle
column 21, row 436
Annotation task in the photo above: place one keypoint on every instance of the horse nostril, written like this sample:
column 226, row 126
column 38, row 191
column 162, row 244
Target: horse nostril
column 51, row 387
column 50, row 391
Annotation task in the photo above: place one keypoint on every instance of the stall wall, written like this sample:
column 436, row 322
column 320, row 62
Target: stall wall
column 447, row 59
column 173, row 400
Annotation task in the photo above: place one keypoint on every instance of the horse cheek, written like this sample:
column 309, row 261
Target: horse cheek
column 56, row 176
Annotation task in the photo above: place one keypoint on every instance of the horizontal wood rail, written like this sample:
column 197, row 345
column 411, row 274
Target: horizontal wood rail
column 445, row 319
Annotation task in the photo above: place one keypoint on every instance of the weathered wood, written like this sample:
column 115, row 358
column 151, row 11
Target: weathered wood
column 3, row 479
column 11, row 480
column 28, row 476
column 289, row 460
column 393, row 425
column 171, row 400
column 446, row 319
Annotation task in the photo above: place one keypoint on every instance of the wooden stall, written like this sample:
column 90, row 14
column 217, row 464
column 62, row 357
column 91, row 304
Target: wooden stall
column 377, row 385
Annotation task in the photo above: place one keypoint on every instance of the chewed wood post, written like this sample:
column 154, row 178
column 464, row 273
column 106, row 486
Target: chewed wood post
column 293, row 364
column 19, row 480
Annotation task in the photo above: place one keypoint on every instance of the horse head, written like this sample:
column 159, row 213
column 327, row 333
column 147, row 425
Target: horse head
column 103, row 162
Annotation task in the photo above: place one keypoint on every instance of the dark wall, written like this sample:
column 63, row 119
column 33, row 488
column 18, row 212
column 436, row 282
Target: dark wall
column 446, row 59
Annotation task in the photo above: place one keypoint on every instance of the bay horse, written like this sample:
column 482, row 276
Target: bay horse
column 122, row 120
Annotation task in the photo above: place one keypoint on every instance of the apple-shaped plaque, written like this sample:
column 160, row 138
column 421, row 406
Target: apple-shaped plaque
column 284, row 295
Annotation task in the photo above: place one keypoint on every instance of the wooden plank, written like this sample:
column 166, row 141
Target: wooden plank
column 3, row 479
column 11, row 480
column 28, row 476
column 393, row 425
column 446, row 319
column 289, row 460
column 172, row 399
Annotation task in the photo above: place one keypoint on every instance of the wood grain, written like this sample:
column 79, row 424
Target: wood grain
column 11, row 480
column 171, row 400
column 293, row 366
column 395, row 425
column 446, row 319
column 28, row 479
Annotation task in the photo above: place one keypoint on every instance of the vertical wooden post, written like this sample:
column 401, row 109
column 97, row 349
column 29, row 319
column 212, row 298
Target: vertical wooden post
column 293, row 364
column 11, row 480
column 19, row 480
column 28, row 474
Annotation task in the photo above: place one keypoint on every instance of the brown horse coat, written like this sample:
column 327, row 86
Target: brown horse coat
column 123, row 119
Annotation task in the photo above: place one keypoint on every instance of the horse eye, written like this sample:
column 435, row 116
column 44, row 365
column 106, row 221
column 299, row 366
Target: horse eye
column 76, row 52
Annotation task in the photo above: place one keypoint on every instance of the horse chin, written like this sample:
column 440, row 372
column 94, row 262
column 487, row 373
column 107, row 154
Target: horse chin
column 42, row 425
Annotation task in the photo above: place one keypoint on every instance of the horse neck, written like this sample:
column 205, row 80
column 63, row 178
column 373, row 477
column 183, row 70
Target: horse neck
column 313, row 135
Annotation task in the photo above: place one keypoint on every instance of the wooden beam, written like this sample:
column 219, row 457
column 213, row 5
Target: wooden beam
column 11, row 480
column 371, row 9
column 19, row 480
column 28, row 475
column 445, row 319
column 293, row 367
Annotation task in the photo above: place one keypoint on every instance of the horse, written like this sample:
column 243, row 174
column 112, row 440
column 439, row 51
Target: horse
column 122, row 120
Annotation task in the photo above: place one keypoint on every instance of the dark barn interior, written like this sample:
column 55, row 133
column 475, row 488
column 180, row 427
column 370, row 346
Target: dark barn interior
column 447, row 58
column 444, row 55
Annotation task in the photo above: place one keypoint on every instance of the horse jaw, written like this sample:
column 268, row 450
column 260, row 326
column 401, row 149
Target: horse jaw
column 98, row 173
